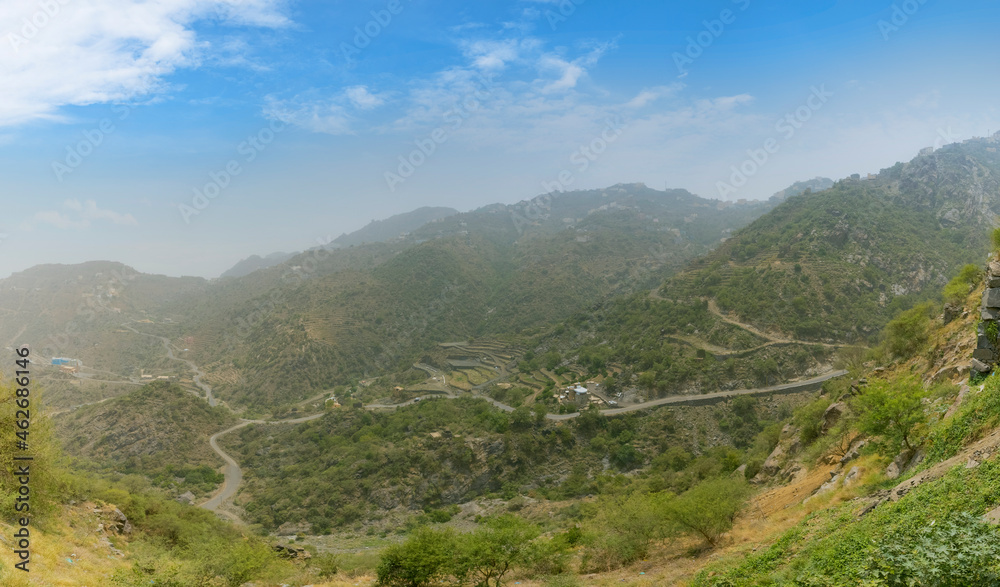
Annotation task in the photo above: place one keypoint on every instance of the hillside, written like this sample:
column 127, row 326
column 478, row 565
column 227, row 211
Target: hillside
column 493, row 272
column 394, row 227
column 160, row 431
column 836, row 265
column 255, row 263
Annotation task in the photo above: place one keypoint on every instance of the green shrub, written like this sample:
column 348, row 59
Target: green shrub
column 959, row 287
column 958, row 552
column 809, row 420
column 709, row 508
column 908, row 333
column 424, row 558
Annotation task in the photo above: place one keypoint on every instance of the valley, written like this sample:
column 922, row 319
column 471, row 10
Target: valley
column 356, row 398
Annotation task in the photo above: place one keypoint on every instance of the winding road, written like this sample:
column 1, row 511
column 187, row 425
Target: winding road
column 198, row 374
column 234, row 474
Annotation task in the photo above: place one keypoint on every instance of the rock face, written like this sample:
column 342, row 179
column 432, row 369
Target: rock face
column 899, row 465
column 832, row 415
column 984, row 358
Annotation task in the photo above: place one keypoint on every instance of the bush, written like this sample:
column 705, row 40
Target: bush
column 959, row 287
column 624, row 528
column 908, row 332
column 958, row 552
column 424, row 558
column 809, row 419
column 709, row 508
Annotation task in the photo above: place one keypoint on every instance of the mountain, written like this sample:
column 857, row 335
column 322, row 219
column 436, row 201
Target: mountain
column 494, row 272
column 836, row 265
column 816, row 184
column 256, row 262
column 394, row 227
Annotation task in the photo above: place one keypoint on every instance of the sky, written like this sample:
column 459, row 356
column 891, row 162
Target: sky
column 180, row 136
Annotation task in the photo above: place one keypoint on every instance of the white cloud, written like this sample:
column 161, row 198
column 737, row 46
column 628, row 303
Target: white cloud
column 362, row 99
column 79, row 215
column 313, row 115
column 650, row 95
column 329, row 115
column 91, row 51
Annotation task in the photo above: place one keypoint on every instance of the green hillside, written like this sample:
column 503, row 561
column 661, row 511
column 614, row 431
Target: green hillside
column 160, row 431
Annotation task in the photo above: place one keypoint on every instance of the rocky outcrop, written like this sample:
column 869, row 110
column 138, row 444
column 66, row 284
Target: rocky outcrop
column 832, row 415
column 984, row 358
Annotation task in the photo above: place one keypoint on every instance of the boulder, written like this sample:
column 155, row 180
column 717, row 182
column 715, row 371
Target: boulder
column 951, row 311
column 794, row 474
column 832, row 415
column 772, row 465
column 979, row 366
column 852, row 476
column 740, row 472
column 853, row 452
column 898, row 464
column 991, row 297
column 993, row 274
column 983, row 355
column 989, row 313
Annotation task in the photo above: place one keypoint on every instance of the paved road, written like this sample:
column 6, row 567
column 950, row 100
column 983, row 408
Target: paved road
column 234, row 474
column 198, row 374
column 705, row 398
column 713, row 397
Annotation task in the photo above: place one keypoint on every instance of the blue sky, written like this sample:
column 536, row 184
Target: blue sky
column 180, row 136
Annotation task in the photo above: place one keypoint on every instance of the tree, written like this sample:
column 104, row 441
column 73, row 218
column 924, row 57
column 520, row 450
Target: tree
column 423, row 559
column 490, row 552
column 709, row 508
column 891, row 409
